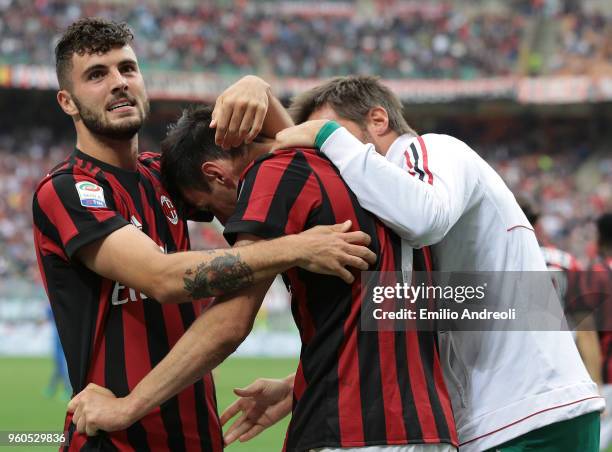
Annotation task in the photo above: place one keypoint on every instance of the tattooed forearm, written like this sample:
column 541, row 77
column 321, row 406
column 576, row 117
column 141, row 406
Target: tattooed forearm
column 221, row 275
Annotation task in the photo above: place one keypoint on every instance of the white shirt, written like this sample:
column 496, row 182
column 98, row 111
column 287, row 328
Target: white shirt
column 435, row 190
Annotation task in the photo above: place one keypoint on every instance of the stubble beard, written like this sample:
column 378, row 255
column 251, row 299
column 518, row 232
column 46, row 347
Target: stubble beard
column 97, row 124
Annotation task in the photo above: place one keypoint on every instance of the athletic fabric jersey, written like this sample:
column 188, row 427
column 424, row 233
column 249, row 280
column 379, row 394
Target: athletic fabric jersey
column 566, row 268
column 596, row 290
column 502, row 384
column 352, row 388
column 111, row 334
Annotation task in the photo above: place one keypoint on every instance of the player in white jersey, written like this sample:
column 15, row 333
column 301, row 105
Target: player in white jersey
column 508, row 389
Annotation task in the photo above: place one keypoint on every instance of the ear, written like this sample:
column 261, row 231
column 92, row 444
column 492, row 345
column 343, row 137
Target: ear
column 378, row 121
column 64, row 99
column 214, row 172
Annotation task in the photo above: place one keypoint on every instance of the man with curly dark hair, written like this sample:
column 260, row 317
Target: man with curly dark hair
column 112, row 246
column 96, row 37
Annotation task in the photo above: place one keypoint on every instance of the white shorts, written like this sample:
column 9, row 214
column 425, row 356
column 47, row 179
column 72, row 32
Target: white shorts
column 404, row 448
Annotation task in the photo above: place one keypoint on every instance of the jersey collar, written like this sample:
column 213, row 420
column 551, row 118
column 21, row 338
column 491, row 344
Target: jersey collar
column 399, row 146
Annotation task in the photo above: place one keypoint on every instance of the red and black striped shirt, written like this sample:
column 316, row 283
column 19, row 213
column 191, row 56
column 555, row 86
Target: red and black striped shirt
column 111, row 334
column 352, row 388
column 596, row 298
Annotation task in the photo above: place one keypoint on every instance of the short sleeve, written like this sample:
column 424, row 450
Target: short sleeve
column 76, row 211
column 276, row 197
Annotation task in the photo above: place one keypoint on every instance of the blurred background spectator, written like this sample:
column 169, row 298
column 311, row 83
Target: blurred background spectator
column 394, row 39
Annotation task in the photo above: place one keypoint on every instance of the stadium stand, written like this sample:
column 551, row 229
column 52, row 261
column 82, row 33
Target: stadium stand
column 429, row 40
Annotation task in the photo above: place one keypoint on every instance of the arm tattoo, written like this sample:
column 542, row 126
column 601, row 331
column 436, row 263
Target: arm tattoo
column 221, row 275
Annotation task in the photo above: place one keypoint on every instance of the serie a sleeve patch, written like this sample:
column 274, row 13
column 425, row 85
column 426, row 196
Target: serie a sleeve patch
column 90, row 194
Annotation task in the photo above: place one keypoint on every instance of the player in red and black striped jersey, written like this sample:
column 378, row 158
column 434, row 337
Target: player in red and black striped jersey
column 103, row 227
column 596, row 291
column 112, row 335
column 352, row 388
column 596, row 287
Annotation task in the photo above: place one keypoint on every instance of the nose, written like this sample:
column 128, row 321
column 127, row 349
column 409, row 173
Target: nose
column 119, row 82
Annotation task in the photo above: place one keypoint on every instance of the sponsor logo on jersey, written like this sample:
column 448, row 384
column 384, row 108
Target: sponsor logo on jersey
column 123, row 294
column 90, row 194
column 169, row 209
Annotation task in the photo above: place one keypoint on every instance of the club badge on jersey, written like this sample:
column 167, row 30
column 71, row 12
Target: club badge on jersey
column 169, row 210
column 90, row 194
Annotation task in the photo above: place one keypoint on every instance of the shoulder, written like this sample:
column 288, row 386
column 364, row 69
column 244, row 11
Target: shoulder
column 150, row 160
column 64, row 185
column 279, row 161
column 438, row 142
column 558, row 258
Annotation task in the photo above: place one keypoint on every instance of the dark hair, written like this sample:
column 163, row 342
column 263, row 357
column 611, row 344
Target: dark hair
column 189, row 143
column 604, row 230
column 351, row 97
column 88, row 35
column 529, row 208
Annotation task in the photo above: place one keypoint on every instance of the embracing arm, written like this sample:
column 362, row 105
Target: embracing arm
column 129, row 256
column 420, row 212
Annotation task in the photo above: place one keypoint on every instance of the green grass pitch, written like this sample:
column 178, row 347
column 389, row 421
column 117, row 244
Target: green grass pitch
column 24, row 407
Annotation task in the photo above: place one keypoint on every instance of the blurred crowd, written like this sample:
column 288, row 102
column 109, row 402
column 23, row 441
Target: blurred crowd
column 570, row 183
column 586, row 44
column 308, row 39
column 569, row 179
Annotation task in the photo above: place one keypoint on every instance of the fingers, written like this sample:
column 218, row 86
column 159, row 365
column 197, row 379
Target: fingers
column 356, row 237
column 345, row 275
column 251, row 390
column 221, row 118
column 231, row 411
column 91, row 429
column 237, row 120
column 280, row 136
column 100, row 389
column 342, row 227
column 257, row 123
column 243, row 403
column 79, row 419
column 356, row 263
column 241, row 426
column 80, row 424
column 74, row 403
column 238, row 114
column 245, row 127
column 285, row 135
column 252, row 433
column 363, row 253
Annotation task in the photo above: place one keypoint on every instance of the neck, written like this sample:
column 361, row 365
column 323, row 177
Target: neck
column 119, row 153
column 384, row 142
column 254, row 150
